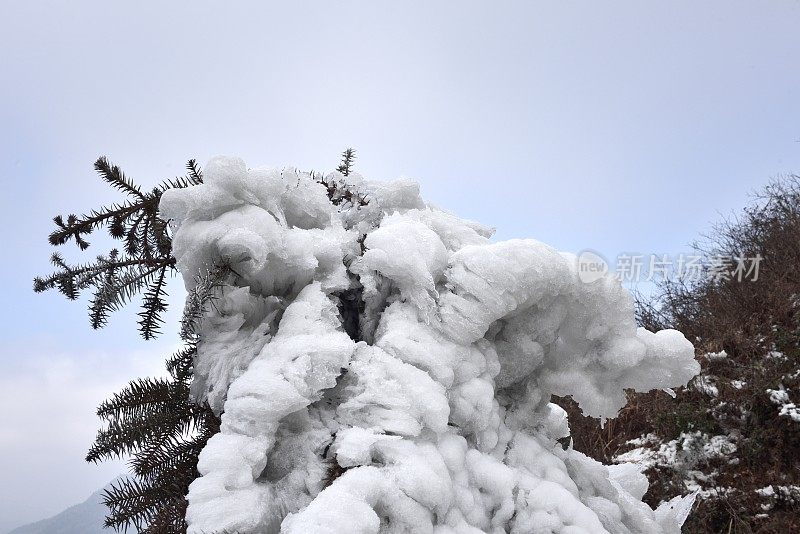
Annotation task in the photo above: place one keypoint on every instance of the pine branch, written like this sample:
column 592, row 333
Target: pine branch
column 139, row 396
column 173, row 455
column 180, row 365
column 133, row 503
column 114, row 176
column 348, row 158
column 116, row 278
column 126, row 435
column 120, row 285
column 199, row 296
column 153, row 305
column 167, row 519
column 195, row 174
column 157, row 423
column 163, row 242
column 131, row 235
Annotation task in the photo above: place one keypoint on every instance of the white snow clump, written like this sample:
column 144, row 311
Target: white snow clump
column 386, row 368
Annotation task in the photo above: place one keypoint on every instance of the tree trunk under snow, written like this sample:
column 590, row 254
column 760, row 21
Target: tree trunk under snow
column 386, row 368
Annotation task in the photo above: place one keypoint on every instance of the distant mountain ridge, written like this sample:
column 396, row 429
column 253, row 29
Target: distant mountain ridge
column 84, row 518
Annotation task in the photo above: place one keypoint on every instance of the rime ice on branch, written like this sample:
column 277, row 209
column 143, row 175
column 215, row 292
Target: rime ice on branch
column 383, row 367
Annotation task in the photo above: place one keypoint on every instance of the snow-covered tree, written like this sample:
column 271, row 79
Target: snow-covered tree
column 379, row 365
column 383, row 366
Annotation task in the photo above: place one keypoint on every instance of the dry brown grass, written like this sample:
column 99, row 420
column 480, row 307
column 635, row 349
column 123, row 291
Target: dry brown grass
column 747, row 320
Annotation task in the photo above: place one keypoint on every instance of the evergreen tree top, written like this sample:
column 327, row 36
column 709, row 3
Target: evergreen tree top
column 142, row 266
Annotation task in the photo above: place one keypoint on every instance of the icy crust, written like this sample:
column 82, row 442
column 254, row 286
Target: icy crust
column 233, row 336
column 302, row 360
column 277, row 227
column 433, row 415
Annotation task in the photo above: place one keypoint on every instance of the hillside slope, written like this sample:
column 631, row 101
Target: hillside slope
column 84, row 518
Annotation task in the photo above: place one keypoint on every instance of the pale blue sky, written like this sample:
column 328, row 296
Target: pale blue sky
column 616, row 126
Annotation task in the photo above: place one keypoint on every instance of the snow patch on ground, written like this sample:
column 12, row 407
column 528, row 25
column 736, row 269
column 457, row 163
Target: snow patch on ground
column 786, row 408
column 683, row 454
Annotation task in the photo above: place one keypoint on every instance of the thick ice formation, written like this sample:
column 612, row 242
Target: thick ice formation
column 386, row 368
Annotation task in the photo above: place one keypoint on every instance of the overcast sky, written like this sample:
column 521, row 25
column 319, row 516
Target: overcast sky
column 615, row 126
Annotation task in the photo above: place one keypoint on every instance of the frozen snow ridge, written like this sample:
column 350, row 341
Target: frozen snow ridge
column 387, row 368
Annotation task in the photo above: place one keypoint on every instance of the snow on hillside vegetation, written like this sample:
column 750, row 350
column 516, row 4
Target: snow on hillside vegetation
column 386, row 368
